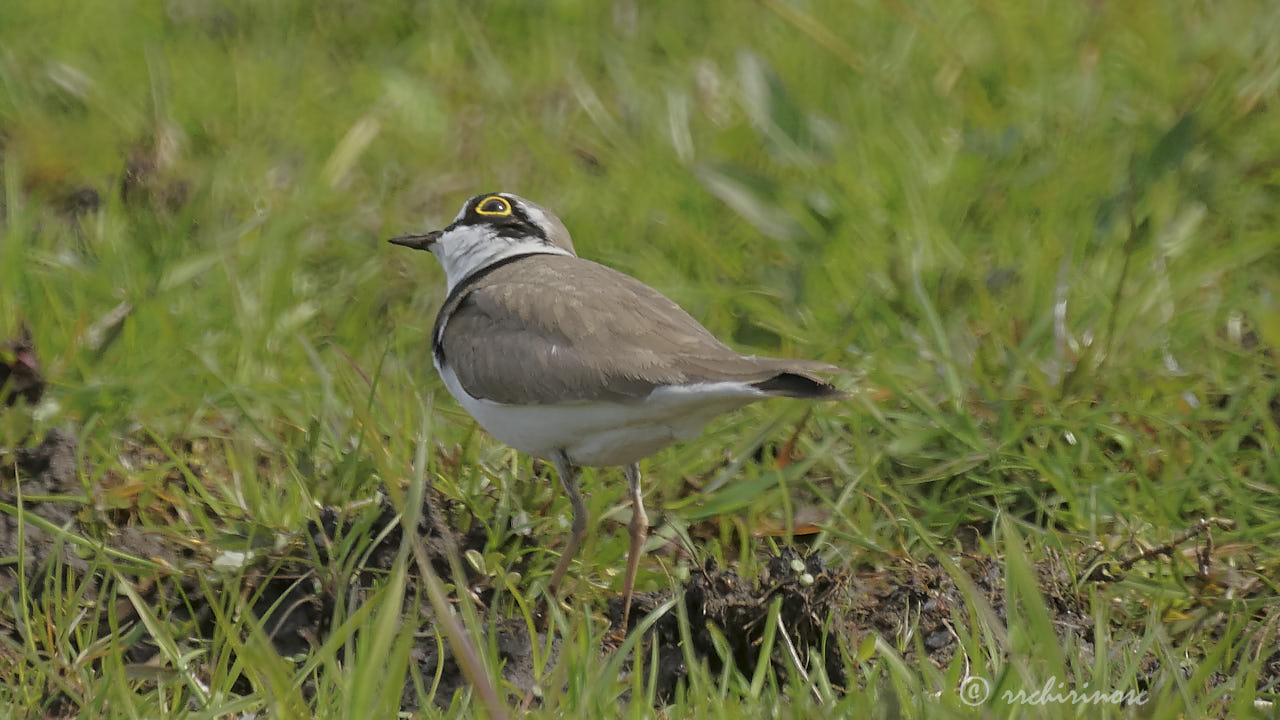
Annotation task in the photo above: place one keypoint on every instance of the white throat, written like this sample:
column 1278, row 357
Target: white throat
column 466, row 249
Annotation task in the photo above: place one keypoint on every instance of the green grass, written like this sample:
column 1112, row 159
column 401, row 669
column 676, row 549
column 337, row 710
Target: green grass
column 910, row 190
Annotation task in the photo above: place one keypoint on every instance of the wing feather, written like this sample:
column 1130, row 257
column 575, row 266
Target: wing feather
column 552, row 329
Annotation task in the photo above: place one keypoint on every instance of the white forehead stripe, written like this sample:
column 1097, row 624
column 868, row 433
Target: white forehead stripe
column 537, row 217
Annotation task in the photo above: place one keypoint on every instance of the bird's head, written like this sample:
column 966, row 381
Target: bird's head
column 489, row 228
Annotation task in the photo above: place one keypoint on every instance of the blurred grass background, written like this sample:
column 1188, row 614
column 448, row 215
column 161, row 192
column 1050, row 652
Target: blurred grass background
column 1042, row 236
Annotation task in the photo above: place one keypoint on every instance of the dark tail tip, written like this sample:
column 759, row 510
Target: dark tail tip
column 795, row 385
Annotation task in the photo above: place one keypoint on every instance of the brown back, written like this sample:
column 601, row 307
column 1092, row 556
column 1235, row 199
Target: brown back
column 552, row 329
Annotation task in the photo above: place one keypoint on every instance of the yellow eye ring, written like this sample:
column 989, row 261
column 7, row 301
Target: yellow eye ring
column 493, row 206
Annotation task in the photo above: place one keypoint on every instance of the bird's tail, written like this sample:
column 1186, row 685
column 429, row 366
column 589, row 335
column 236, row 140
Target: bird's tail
column 798, row 379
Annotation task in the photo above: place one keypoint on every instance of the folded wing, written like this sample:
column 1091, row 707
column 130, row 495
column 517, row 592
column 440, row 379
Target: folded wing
column 553, row 329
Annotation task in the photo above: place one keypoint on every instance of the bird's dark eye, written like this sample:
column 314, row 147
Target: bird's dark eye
column 494, row 206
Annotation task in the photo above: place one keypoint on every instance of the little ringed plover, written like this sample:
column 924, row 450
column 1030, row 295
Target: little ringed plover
column 570, row 361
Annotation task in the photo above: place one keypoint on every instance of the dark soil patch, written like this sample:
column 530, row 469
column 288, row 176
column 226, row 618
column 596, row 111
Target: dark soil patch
column 909, row 599
column 45, row 490
column 809, row 598
column 20, row 376
column 148, row 174
column 513, row 642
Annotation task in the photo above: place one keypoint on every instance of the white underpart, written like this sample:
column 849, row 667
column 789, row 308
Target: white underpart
column 605, row 433
column 468, row 248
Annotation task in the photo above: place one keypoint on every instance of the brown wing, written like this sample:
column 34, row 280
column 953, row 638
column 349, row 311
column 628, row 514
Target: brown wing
column 552, row 329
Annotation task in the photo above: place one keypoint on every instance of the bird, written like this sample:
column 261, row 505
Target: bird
column 571, row 361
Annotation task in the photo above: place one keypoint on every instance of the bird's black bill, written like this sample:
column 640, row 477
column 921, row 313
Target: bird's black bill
column 417, row 242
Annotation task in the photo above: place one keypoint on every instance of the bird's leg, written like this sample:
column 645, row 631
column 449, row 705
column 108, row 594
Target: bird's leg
column 639, row 528
column 569, row 480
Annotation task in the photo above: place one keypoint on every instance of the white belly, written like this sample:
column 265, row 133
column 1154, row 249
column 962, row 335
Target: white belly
column 605, row 433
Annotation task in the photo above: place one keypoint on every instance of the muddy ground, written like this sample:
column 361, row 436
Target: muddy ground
column 909, row 603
